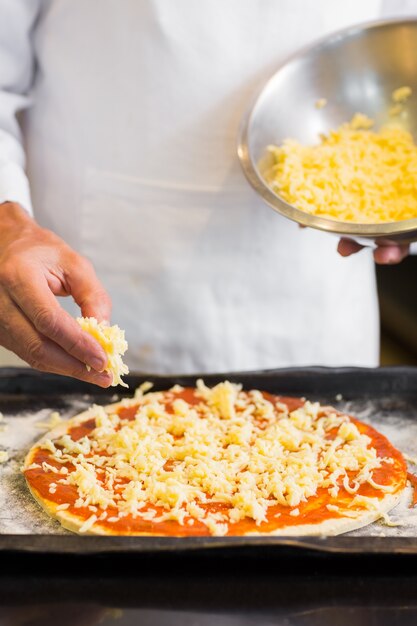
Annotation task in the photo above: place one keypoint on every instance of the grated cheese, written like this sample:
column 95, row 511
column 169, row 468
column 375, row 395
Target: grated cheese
column 112, row 340
column 395, row 110
column 321, row 103
column 401, row 94
column 389, row 522
column 410, row 459
column 333, row 507
column 355, row 174
column 88, row 524
column 54, row 420
column 4, row 456
column 233, row 447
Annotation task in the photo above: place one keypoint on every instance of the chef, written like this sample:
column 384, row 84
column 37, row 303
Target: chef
column 118, row 125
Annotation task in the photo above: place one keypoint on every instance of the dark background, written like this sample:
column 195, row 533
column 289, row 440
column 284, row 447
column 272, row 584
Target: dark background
column 397, row 289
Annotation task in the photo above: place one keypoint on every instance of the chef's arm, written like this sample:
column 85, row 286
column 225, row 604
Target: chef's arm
column 36, row 265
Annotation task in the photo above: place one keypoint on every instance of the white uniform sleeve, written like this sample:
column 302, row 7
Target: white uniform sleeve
column 17, row 20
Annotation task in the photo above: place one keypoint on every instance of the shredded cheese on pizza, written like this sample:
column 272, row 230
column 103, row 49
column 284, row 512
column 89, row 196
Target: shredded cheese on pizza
column 235, row 448
column 112, row 340
column 355, row 174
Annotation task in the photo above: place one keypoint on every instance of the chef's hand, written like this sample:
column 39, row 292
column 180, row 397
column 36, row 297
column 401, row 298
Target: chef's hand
column 36, row 266
column 383, row 255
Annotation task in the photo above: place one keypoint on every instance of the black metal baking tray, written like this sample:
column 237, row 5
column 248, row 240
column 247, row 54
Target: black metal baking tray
column 390, row 388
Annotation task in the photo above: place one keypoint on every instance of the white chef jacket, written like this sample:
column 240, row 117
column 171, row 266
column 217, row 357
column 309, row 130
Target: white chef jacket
column 132, row 109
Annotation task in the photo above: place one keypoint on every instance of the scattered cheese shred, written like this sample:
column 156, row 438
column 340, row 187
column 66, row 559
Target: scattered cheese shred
column 4, row 456
column 62, row 507
column 401, row 94
column 410, row 459
column 355, row 174
column 395, row 110
column 112, row 339
column 321, row 103
column 389, row 522
column 88, row 524
column 399, row 97
column 54, row 420
column 230, row 446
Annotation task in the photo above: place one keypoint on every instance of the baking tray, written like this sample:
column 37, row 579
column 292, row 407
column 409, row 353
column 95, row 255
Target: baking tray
column 385, row 397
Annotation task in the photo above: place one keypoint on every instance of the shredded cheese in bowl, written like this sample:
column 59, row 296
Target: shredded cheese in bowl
column 112, row 340
column 355, row 174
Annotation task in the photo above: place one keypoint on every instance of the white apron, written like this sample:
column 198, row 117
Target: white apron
column 131, row 146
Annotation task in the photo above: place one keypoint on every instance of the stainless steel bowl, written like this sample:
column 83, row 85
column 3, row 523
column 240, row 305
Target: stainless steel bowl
column 355, row 70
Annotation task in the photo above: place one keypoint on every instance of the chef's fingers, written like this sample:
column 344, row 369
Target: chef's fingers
column 88, row 292
column 383, row 254
column 41, row 307
column 390, row 255
column 18, row 334
column 346, row 247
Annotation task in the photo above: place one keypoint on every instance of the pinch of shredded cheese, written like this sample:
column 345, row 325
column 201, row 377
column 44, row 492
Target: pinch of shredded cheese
column 355, row 174
column 4, row 456
column 112, row 340
column 234, row 447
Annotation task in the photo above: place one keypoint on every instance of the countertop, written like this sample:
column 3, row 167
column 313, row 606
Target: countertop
column 296, row 592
